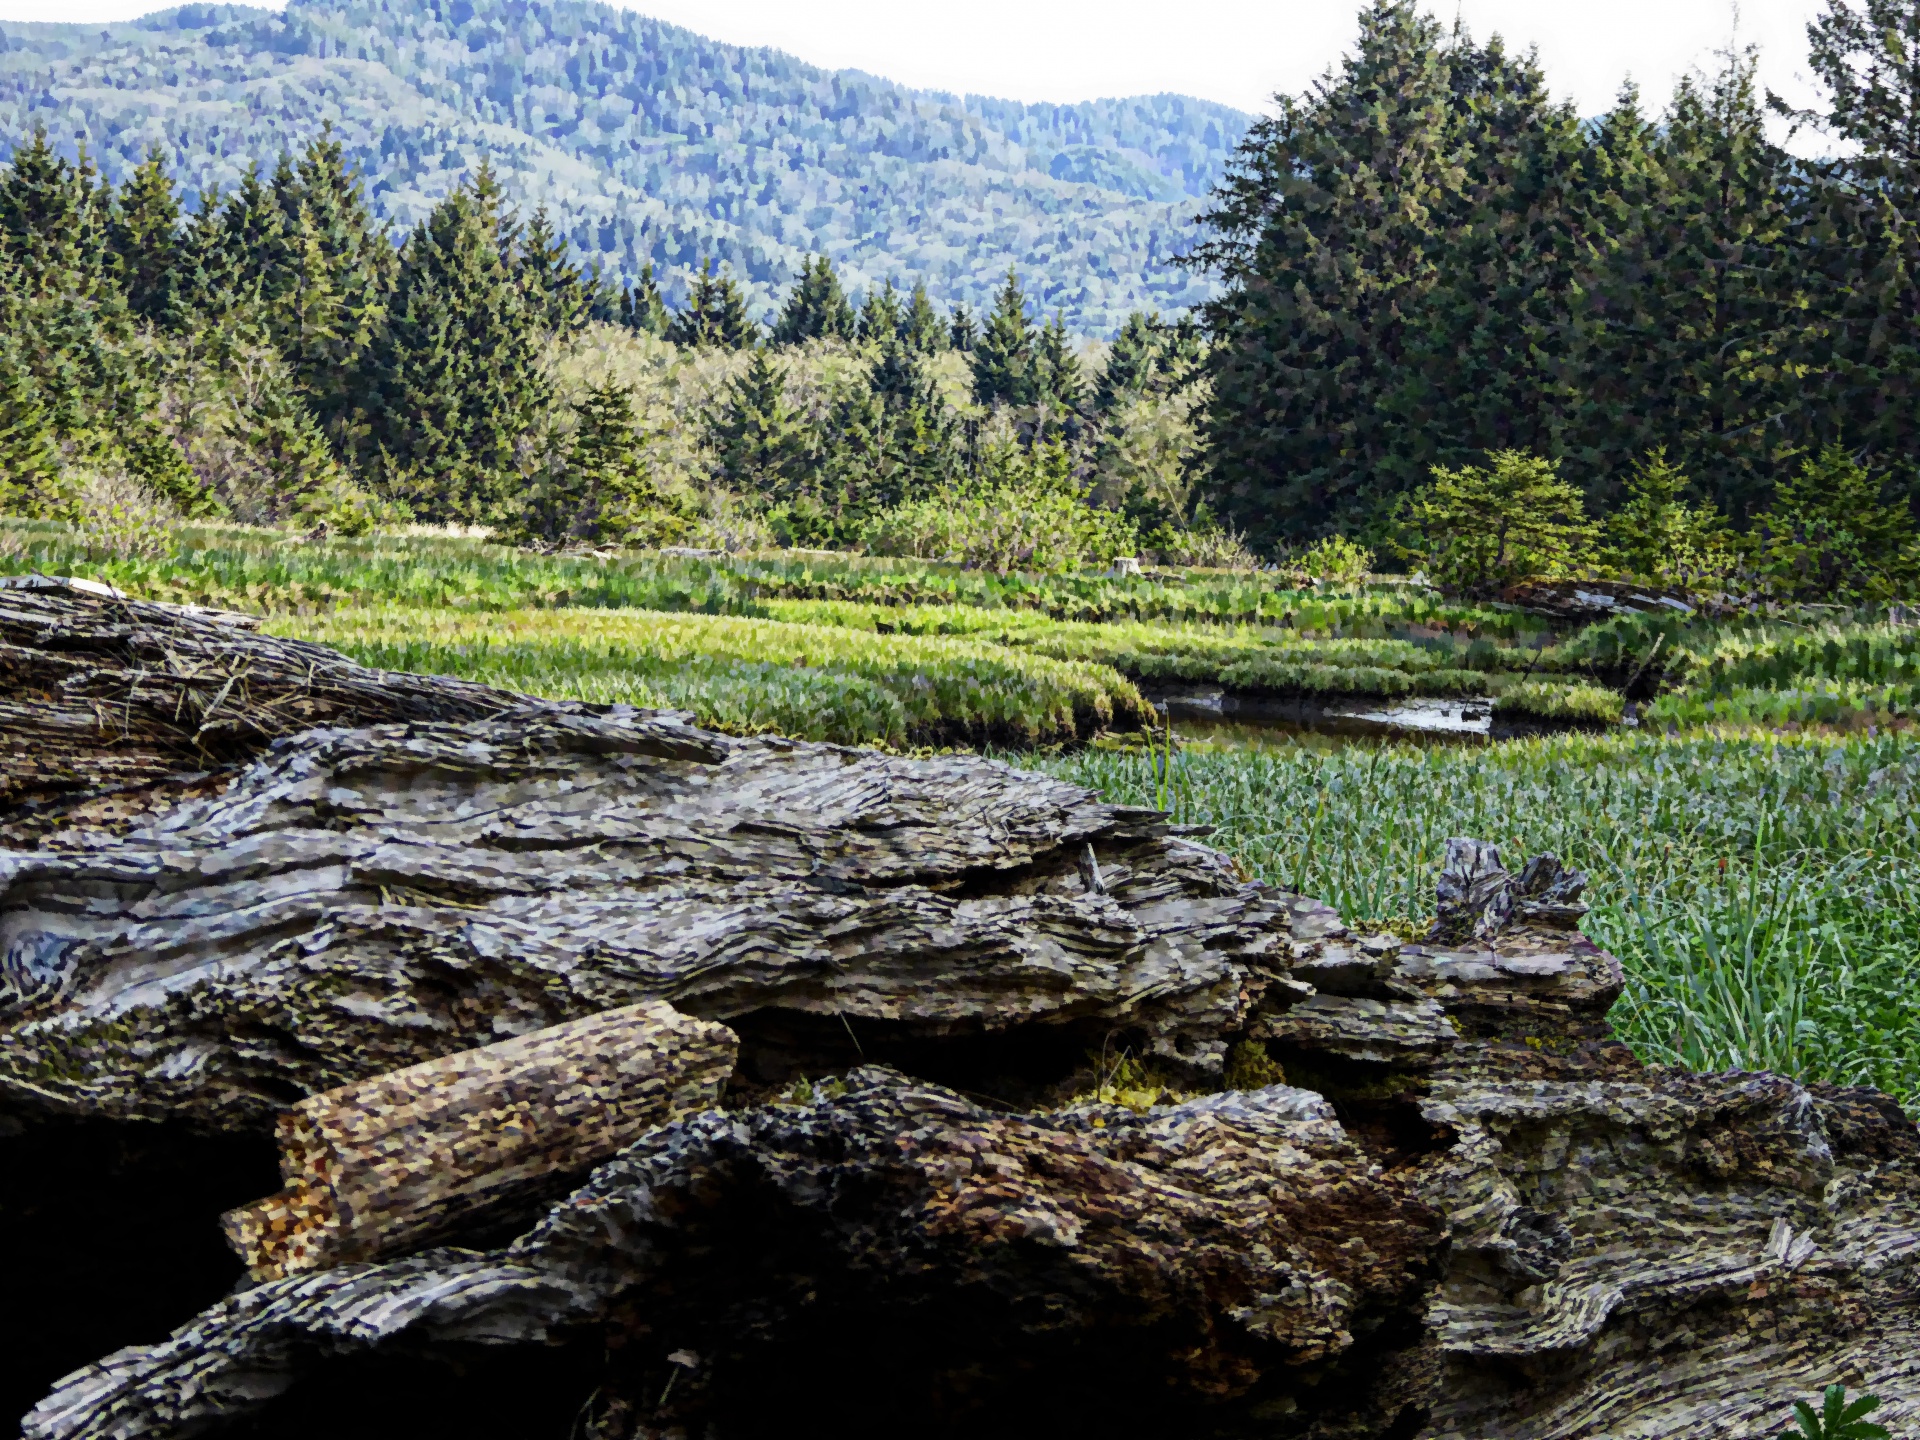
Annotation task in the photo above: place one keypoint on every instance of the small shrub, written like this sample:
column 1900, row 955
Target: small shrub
column 1481, row 529
column 122, row 519
column 1561, row 700
column 1336, row 559
column 1836, row 1419
column 1657, row 537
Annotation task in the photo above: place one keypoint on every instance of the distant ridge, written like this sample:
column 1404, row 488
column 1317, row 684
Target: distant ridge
column 648, row 141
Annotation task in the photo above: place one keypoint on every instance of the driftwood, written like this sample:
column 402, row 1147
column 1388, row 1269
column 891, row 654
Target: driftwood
column 395, row 1162
column 1395, row 1190
column 100, row 693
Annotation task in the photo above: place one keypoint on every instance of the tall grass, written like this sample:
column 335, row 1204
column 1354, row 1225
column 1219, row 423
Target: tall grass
column 271, row 571
column 1762, row 893
column 748, row 676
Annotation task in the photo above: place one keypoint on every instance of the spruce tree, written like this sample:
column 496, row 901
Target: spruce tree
column 816, row 308
column 1003, row 359
column 1129, row 364
column 29, row 453
column 880, row 315
column 641, row 307
column 963, row 332
column 147, row 243
column 758, row 441
column 601, row 487
column 920, row 326
column 1058, row 381
column 557, row 291
column 455, row 379
column 716, row 313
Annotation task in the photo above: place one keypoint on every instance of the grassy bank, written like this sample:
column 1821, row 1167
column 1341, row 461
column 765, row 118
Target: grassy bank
column 1763, row 893
column 748, row 676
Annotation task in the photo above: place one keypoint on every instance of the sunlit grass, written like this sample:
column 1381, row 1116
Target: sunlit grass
column 1763, row 893
column 748, row 676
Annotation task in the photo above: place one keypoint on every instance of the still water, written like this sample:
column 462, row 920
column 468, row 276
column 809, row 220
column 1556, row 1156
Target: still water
column 1244, row 722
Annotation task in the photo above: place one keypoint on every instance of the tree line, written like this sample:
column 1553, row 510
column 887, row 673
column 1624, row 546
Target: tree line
column 1428, row 262
column 417, row 379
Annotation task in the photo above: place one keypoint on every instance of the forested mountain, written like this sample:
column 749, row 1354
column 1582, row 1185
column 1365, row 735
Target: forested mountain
column 650, row 143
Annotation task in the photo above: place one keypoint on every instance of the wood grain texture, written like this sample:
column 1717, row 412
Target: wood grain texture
column 1469, row 1213
column 394, row 1163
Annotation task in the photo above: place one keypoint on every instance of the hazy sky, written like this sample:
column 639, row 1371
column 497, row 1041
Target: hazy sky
column 1237, row 51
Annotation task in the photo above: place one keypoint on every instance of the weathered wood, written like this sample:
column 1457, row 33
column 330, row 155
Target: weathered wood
column 364, row 900
column 99, row 692
column 396, row 1162
column 1469, row 1213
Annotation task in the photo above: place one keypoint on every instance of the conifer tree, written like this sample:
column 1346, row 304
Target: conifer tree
column 920, row 325
column 757, row 439
column 816, row 308
column 29, row 454
column 454, row 380
column 716, row 313
column 1657, row 536
column 1129, row 364
column 641, row 307
column 1058, row 381
column 52, row 217
column 1833, row 533
column 880, row 315
column 1003, row 359
column 601, row 488
column 557, row 291
column 147, row 243
column 963, row 332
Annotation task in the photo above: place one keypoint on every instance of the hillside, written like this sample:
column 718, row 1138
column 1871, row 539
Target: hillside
column 650, row 142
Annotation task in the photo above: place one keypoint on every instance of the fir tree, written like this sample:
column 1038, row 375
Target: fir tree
column 880, row 315
column 962, row 331
column 558, row 293
column 455, row 378
column 1058, row 381
column 601, row 487
column 641, row 307
column 52, row 216
column 147, row 243
column 1003, row 358
column 1657, row 536
column 816, row 307
column 1129, row 364
column 920, row 326
column 1833, row 533
column 757, row 439
column 716, row 313
column 29, row 454
column 1483, row 527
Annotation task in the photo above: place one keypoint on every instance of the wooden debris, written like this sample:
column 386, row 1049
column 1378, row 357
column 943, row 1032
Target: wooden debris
column 99, row 692
column 393, row 1163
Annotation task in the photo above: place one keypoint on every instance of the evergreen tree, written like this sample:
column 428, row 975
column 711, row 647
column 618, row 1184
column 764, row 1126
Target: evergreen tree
column 1058, row 381
column 1480, row 528
column 29, row 455
column 558, row 293
column 454, row 380
column 716, row 313
column 601, row 488
column 816, row 307
column 920, row 326
column 880, row 315
column 1657, row 536
column 52, row 221
column 757, row 439
column 963, row 333
column 147, row 243
column 1003, row 358
column 1833, row 533
column 641, row 307
column 1129, row 364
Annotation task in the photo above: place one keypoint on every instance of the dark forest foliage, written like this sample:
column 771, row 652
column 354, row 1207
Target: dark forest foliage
column 1428, row 262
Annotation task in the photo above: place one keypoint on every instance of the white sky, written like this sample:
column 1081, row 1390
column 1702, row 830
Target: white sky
column 1236, row 51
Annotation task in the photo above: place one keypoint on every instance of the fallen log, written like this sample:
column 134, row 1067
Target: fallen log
column 1415, row 1190
column 101, row 693
column 393, row 1163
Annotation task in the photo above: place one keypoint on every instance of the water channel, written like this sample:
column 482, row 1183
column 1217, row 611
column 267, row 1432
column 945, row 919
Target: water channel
column 1250, row 722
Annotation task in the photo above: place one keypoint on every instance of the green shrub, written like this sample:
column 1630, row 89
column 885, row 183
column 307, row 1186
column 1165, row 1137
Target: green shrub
column 1560, row 700
column 1479, row 529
